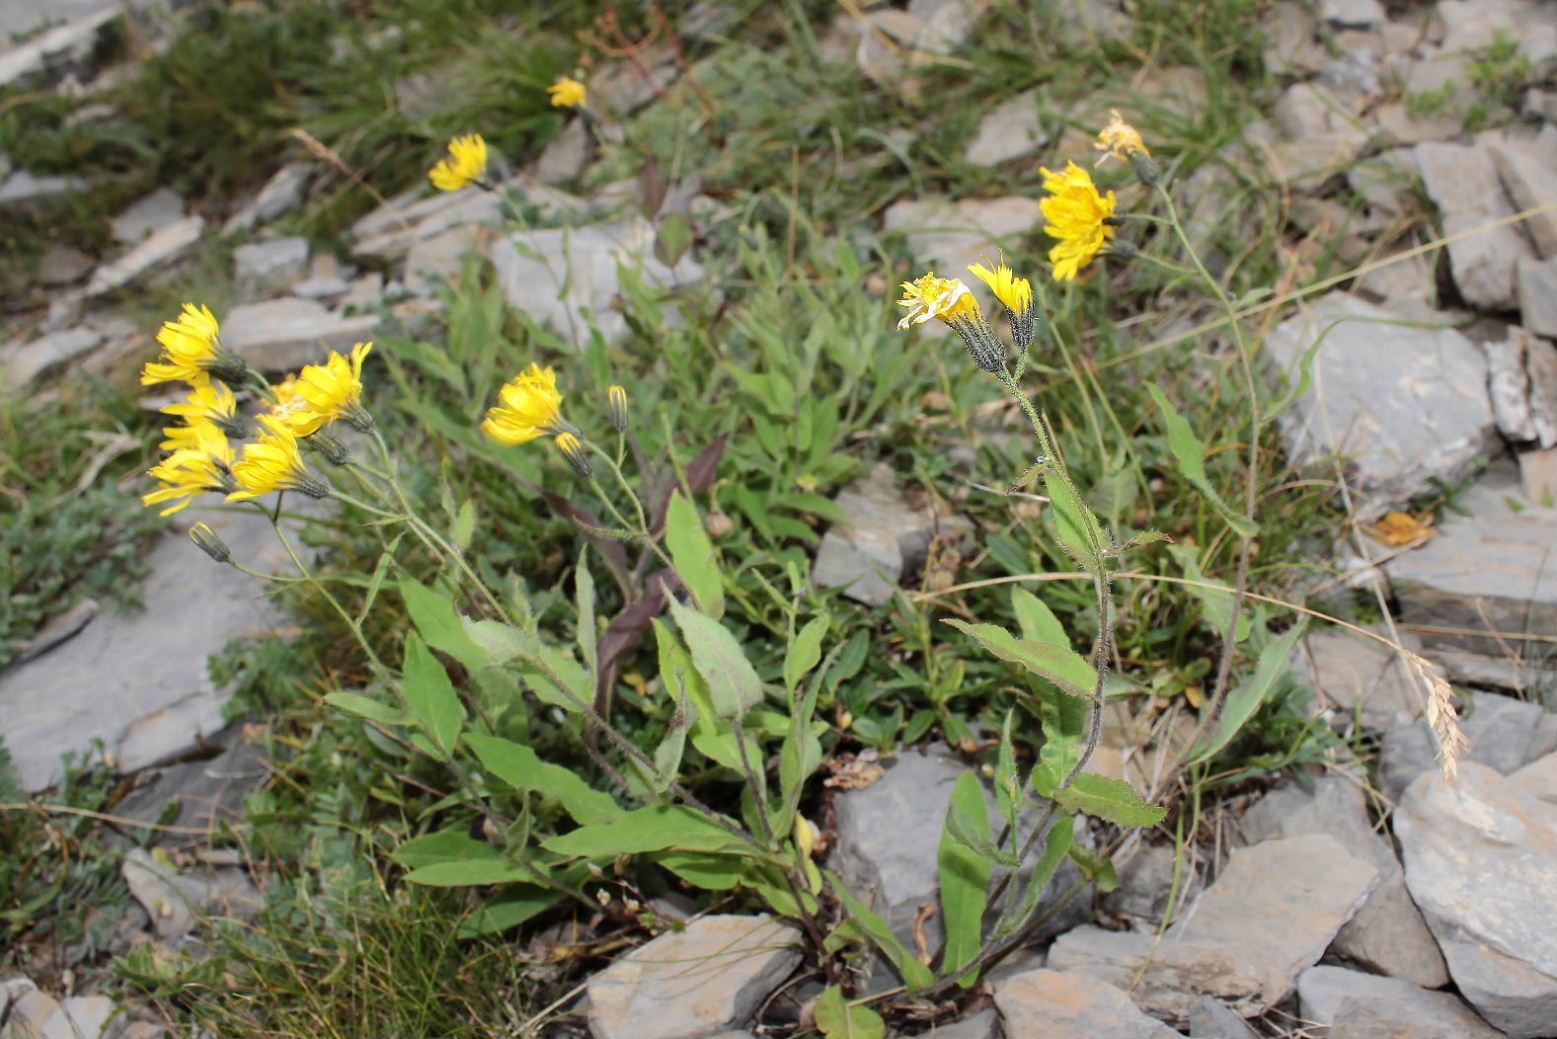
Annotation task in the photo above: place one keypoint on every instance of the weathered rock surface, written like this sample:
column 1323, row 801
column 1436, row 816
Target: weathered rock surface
column 140, row 681
column 34, row 360
column 1388, row 933
column 1522, row 379
column 288, row 332
column 269, row 266
column 1211, row 1019
column 1320, row 134
column 951, row 235
column 207, row 793
column 1144, row 884
column 1463, row 182
column 80, row 1017
column 1054, row 1003
column 1537, row 288
column 1353, row 675
column 22, row 188
column 564, row 158
column 983, row 1025
column 885, row 538
column 282, row 193
column 1505, row 735
column 1012, row 129
column 1323, row 990
column 1406, row 406
column 1527, row 167
column 63, row 48
column 164, row 246
column 389, row 231
column 699, row 982
column 1481, row 861
column 176, row 901
column 1301, row 889
column 146, row 216
column 1488, row 570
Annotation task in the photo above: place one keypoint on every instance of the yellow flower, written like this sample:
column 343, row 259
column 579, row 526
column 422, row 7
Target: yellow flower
column 206, row 466
column 465, row 164
column 213, row 403
column 200, row 434
column 274, row 463
column 567, row 92
column 1077, row 216
column 1016, row 294
column 945, row 299
column 531, row 407
column 323, row 393
column 192, row 351
column 1119, row 139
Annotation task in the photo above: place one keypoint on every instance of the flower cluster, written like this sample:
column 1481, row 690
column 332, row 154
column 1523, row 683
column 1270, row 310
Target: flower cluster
column 530, row 406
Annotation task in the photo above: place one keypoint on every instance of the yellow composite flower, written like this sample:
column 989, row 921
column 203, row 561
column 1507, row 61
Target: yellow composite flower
column 191, row 350
column 1119, row 140
column 274, row 463
column 1077, row 215
column 945, row 299
column 212, row 402
column 530, row 407
column 465, row 164
column 568, row 92
column 323, row 393
column 199, row 434
column 1015, row 294
column 194, row 470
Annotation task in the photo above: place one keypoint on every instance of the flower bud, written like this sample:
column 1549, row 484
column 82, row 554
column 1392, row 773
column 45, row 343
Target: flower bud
column 328, row 445
column 210, row 542
column 572, row 449
column 616, row 406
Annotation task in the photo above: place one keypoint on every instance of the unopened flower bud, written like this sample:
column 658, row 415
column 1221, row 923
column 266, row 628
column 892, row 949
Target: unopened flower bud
column 328, row 445
column 210, row 542
column 1146, row 168
column 616, row 406
column 572, row 449
column 806, row 835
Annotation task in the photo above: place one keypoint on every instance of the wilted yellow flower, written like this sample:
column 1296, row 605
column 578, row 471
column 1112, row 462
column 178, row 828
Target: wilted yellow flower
column 274, row 463
column 1119, row 139
column 567, row 92
column 616, row 408
column 465, row 164
column 193, row 470
column 573, row 450
column 531, row 407
column 192, row 351
column 1077, row 216
column 1015, row 294
column 945, row 299
column 323, row 393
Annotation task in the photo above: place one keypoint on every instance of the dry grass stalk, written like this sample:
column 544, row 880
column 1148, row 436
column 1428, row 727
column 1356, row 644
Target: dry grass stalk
column 1441, row 717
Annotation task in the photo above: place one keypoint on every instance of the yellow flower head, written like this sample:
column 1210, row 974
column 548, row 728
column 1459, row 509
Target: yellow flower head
column 323, row 393
column 213, row 403
column 568, row 92
column 531, row 407
column 465, row 164
column 193, row 470
column 1119, row 139
column 1015, row 294
column 1077, row 216
column 200, row 434
column 192, row 351
column 274, row 463
column 945, row 299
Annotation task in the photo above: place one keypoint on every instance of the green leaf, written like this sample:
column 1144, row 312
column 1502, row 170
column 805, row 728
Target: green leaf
column 1097, row 869
column 521, row 768
column 1056, row 843
column 964, row 874
column 1037, row 621
column 914, row 974
column 499, row 644
column 1191, row 455
column 837, row 1018
column 469, row 872
column 356, row 703
column 1112, row 800
column 431, row 696
column 805, row 652
column 1058, row 663
column 656, row 828
column 1243, row 701
column 1063, row 719
column 673, row 239
column 439, row 625
column 709, row 872
column 693, row 555
column 584, row 586
column 733, row 684
column 443, row 846
column 1216, row 604
column 520, row 902
column 464, row 524
column 1076, row 529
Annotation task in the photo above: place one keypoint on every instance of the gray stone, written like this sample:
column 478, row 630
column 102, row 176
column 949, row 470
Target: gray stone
column 1212, row 1019
column 433, row 261
column 1386, row 182
column 1290, row 45
column 163, row 247
column 1320, row 133
column 1463, row 183
column 22, row 188
column 1393, row 124
column 1323, row 990
column 705, row 979
column 1473, row 25
column 567, row 277
column 1055, row 1003
column 1488, row 570
column 1388, row 933
column 623, row 87
column 269, row 266
column 946, row 23
column 954, row 234
column 1144, row 884
column 884, row 538
column 145, row 217
column 24, row 1009
column 1540, row 104
column 61, row 49
column 206, row 793
column 46, row 354
column 59, row 628
column 286, row 333
column 1537, row 287
column 1527, row 167
column 389, row 231
column 1505, row 735
column 1352, row 14
column 139, row 682
column 1407, row 406
column 62, row 265
column 1480, row 863
column 1012, row 129
column 177, row 901
column 282, row 193
column 326, row 280
column 983, row 1025
column 1538, row 478
column 81, row 1017
column 1522, row 381
column 1353, row 675
column 565, row 156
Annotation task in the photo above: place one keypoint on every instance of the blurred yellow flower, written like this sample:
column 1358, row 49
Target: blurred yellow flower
column 1119, row 139
column 1077, row 216
column 192, row 351
column 212, row 402
column 323, row 393
column 1015, row 294
column 465, row 164
column 274, row 463
column 193, row 470
column 945, row 299
column 198, row 434
column 531, row 407
column 567, row 92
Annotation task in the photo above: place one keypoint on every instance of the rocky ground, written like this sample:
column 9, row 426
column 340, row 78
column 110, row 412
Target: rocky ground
column 1425, row 909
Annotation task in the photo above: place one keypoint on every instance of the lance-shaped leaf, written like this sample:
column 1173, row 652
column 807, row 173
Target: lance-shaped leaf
column 1058, row 663
column 733, row 684
column 1275, row 661
column 1191, row 455
column 693, row 554
column 1110, row 799
column 964, row 873
column 431, row 696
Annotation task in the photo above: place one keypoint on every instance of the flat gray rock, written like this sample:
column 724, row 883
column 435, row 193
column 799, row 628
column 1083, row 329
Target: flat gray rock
column 206, row 793
column 177, row 901
column 1055, row 1003
column 1527, row 167
column 146, row 216
column 389, row 231
column 1323, row 990
column 140, row 681
column 1010, row 130
column 949, row 235
column 1536, row 282
column 80, row 1017
column 32, row 361
column 1522, row 379
column 284, row 334
column 63, row 48
column 983, row 1025
column 1505, row 735
column 269, row 266
column 1166, row 978
column 1212, row 1019
column 706, row 979
column 1463, row 182
column 1404, row 406
column 282, row 193
column 163, row 247
column 1353, row 675
column 1481, row 862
